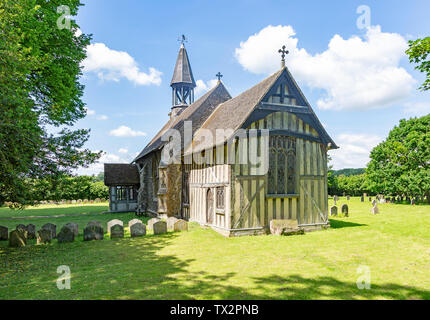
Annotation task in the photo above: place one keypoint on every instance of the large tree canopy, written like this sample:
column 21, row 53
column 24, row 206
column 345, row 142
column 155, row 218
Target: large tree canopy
column 40, row 67
column 418, row 52
column 401, row 163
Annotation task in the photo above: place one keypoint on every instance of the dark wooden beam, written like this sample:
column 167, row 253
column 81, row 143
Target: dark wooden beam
column 283, row 107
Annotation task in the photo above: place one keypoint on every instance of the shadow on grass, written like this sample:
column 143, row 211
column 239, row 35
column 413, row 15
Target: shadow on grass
column 145, row 268
column 337, row 224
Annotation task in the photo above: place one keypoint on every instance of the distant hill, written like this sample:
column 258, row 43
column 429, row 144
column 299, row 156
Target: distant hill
column 349, row 172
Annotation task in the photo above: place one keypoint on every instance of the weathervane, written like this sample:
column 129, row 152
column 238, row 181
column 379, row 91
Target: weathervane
column 183, row 39
column 284, row 52
column 219, row 76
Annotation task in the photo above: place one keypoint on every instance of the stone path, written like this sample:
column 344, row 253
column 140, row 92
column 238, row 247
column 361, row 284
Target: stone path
column 55, row 216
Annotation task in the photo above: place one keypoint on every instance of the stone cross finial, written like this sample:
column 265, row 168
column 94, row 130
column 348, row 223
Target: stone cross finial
column 284, row 52
column 219, row 76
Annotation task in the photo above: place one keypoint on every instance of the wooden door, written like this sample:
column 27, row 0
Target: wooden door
column 209, row 206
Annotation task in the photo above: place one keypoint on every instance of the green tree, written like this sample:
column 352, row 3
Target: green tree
column 418, row 53
column 401, row 163
column 40, row 67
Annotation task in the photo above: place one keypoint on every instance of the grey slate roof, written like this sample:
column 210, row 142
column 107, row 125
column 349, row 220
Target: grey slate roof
column 183, row 72
column 197, row 112
column 117, row 174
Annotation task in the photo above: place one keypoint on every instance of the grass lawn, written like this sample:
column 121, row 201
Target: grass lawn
column 54, row 210
column 201, row 264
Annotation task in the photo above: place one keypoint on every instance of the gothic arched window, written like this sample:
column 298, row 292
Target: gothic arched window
column 282, row 165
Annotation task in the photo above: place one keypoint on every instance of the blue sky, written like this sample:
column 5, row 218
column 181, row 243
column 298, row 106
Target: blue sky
column 358, row 81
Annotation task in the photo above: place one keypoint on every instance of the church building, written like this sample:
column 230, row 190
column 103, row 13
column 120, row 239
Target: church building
column 233, row 164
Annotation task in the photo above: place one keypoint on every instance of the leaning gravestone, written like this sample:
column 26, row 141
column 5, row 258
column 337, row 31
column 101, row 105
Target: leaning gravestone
column 171, row 222
column 152, row 221
column 44, row 236
column 4, row 233
column 160, row 227
column 180, row 225
column 17, row 239
column 66, row 235
column 51, row 227
column 116, row 231
column 345, row 210
column 111, row 223
column 333, row 211
column 285, row 227
column 93, row 231
column 137, row 229
column 31, row 231
column 74, row 227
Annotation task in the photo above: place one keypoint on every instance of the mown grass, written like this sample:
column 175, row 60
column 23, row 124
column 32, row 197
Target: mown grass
column 201, row 264
column 54, row 209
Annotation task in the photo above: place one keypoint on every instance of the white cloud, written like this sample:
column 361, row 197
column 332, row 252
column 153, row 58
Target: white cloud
column 354, row 150
column 124, row 131
column 418, row 109
column 112, row 65
column 123, row 150
column 356, row 73
column 203, row 87
column 91, row 112
column 102, row 117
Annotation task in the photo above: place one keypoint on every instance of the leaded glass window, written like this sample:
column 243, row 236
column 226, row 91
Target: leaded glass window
column 220, row 199
column 282, row 165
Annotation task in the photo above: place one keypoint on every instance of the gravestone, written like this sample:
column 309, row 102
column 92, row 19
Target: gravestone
column 31, row 231
column 344, row 194
column 22, row 228
column 365, row 195
column 374, row 202
column 171, row 222
column 348, row 198
column 345, row 210
column 116, row 231
column 74, row 227
column 180, row 225
column 111, row 223
column 17, row 239
column 131, row 222
column 370, row 199
column 44, row 236
column 4, row 233
column 51, row 227
column 137, row 229
column 66, row 235
column 362, row 199
column 333, row 211
column 285, row 227
column 73, row 201
column 412, row 201
column 152, row 221
column 375, row 209
column 93, row 231
column 160, row 227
